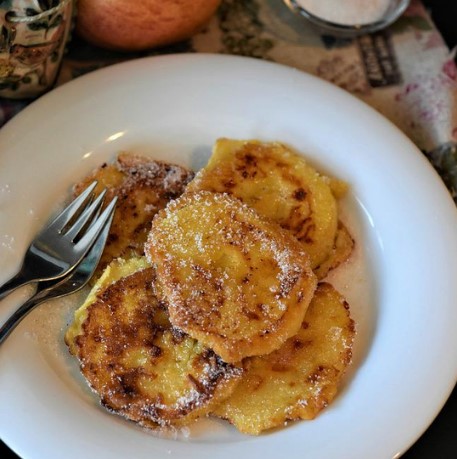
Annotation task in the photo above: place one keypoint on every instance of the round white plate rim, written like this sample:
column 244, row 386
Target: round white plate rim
column 272, row 74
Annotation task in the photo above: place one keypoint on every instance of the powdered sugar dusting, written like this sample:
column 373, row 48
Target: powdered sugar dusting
column 169, row 177
column 5, row 193
column 7, row 242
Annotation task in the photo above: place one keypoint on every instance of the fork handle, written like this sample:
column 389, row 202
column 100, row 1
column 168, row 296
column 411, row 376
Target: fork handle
column 15, row 282
column 15, row 318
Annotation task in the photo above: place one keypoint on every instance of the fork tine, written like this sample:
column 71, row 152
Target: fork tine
column 94, row 230
column 88, row 214
column 73, row 208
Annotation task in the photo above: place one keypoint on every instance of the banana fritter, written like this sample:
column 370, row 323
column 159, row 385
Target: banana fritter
column 233, row 280
column 116, row 270
column 141, row 367
column 143, row 187
column 301, row 378
column 280, row 185
column 341, row 251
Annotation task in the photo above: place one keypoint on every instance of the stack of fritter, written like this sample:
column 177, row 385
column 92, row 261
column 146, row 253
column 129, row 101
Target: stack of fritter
column 215, row 306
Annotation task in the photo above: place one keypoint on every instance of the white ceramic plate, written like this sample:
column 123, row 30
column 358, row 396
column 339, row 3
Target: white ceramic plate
column 400, row 282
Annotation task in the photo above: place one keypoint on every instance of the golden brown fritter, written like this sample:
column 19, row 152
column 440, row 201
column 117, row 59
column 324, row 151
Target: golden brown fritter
column 233, row 280
column 143, row 187
column 140, row 366
column 115, row 271
column 341, row 251
column 302, row 377
column 279, row 185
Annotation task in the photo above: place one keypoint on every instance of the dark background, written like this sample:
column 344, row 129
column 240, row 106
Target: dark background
column 440, row 440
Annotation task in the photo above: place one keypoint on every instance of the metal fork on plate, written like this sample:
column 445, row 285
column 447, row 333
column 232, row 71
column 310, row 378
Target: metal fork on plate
column 71, row 283
column 64, row 242
column 64, row 255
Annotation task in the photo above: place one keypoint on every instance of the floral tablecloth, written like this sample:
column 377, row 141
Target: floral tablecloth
column 406, row 72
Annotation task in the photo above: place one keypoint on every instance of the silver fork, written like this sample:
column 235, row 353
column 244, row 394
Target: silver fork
column 71, row 283
column 63, row 243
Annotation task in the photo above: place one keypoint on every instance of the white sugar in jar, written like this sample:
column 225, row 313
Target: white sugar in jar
column 349, row 17
column 348, row 12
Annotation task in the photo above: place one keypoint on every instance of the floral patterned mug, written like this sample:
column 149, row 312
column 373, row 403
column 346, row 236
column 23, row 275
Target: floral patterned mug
column 33, row 36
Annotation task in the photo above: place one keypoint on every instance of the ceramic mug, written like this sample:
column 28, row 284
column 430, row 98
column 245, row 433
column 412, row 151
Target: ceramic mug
column 33, row 36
